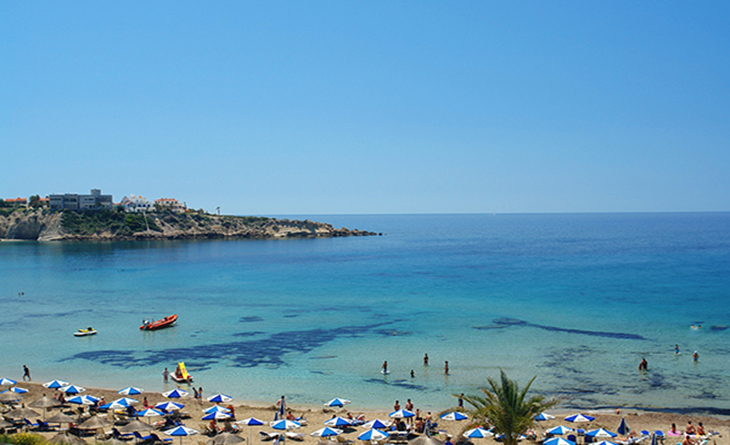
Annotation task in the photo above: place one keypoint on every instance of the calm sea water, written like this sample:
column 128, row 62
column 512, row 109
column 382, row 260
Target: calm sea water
column 576, row 300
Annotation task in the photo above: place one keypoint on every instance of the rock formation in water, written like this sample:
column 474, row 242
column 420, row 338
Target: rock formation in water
column 44, row 225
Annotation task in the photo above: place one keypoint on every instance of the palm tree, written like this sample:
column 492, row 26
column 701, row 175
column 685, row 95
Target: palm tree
column 506, row 407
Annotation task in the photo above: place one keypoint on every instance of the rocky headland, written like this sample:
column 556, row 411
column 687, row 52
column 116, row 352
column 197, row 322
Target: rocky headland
column 112, row 225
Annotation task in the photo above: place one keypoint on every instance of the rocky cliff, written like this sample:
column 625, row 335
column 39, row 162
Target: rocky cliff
column 43, row 225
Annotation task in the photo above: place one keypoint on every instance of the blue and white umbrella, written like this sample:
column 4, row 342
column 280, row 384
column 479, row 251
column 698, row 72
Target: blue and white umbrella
column 377, row 424
column 285, row 424
column 83, row 400
column 217, row 409
column 373, row 434
column 478, row 433
column 55, row 384
column 401, row 414
column 149, row 412
column 217, row 415
column 326, row 432
column 130, row 391
column 220, row 398
column 175, row 394
column 559, row 430
column 71, row 389
column 17, row 390
column 623, row 427
column 114, row 405
column 7, row 382
column 251, row 421
column 576, row 418
column 338, row 422
column 544, row 416
column 181, row 431
column 600, row 432
column 337, row 403
column 558, row 441
column 170, row 406
column 454, row 415
column 126, row 401
column 501, row 436
column 604, row 442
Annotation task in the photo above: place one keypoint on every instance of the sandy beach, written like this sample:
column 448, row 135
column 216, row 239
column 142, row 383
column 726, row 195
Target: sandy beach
column 316, row 416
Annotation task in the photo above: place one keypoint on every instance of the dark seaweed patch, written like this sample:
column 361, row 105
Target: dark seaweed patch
column 504, row 322
column 250, row 319
column 268, row 351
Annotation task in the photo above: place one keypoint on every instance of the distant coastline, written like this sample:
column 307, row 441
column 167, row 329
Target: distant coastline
column 113, row 225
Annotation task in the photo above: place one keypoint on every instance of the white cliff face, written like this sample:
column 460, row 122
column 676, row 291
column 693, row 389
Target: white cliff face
column 48, row 226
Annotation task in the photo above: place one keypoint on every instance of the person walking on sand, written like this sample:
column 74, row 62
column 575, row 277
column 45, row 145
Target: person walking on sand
column 281, row 405
column 26, row 373
column 165, row 375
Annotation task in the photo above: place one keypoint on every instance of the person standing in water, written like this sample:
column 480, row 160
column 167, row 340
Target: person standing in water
column 446, row 367
column 644, row 365
column 385, row 367
column 425, row 359
column 695, row 356
column 676, row 349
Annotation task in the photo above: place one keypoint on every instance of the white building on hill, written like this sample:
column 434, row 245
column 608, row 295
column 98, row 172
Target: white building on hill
column 135, row 204
column 170, row 204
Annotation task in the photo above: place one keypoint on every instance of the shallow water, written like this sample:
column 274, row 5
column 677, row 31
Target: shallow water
column 576, row 300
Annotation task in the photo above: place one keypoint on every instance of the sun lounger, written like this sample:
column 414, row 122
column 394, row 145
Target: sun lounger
column 30, row 425
column 268, row 436
column 158, row 440
column 141, row 438
column 294, row 436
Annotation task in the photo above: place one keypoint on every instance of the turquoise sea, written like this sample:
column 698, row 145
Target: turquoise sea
column 574, row 299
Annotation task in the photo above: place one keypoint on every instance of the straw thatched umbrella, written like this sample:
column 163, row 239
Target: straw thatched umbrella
column 65, row 438
column 225, row 439
column 93, row 423
column 4, row 423
column 45, row 403
column 137, row 426
column 425, row 440
column 60, row 418
column 22, row 413
column 10, row 397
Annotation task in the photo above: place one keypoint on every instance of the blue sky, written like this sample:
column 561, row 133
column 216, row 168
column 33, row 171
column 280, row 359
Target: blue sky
column 334, row 107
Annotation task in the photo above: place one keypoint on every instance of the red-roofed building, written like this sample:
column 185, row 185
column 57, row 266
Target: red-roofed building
column 170, row 204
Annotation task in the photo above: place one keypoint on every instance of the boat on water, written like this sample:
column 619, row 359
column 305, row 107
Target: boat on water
column 148, row 325
column 85, row 332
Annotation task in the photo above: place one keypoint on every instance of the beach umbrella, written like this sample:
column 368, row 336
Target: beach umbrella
column 10, row 397
column 559, row 430
column 55, row 384
column 217, row 415
column 501, row 436
column 136, row 426
column 478, row 433
column 377, row 424
column 326, row 432
column 130, row 391
column 149, row 412
column 544, row 416
column 251, row 421
column 21, row 413
column 170, row 406
column 83, row 400
column 285, row 424
column 60, row 418
column 65, row 438
column 225, row 439
column 425, row 440
column 7, row 382
column 217, row 409
column 114, row 405
column 338, row 422
column 401, row 414
column 576, row 418
column 175, row 394
column 604, row 442
column 454, row 415
column 45, row 402
column 600, row 432
column 372, row 434
column 558, row 441
column 181, row 431
column 93, row 423
column 71, row 389
column 126, row 401
column 18, row 390
column 337, row 403
column 623, row 427
column 220, row 398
